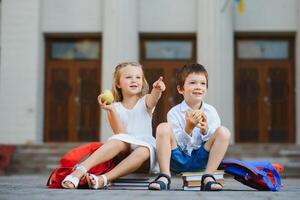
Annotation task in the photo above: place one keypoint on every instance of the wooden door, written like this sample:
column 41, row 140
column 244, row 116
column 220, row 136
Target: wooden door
column 166, row 65
column 264, row 92
column 72, row 86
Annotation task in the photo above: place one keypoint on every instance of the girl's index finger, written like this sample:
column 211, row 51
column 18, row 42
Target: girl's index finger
column 159, row 79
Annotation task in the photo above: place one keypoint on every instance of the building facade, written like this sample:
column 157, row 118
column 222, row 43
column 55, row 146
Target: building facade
column 58, row 55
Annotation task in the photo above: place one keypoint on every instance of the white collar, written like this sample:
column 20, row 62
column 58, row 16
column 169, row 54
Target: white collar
column 184, row 107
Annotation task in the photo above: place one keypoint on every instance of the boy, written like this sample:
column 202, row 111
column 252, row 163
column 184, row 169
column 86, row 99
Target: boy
column 193, row 138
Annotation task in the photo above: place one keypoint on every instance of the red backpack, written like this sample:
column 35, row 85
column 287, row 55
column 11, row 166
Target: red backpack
column 73, row 157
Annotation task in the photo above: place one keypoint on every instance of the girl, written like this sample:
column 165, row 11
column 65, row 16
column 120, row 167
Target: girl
column 130, row 119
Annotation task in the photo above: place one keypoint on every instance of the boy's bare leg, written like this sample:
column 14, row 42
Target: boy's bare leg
column 165, row 142
column 217, row 146
column 106, row 152
column 131, row 163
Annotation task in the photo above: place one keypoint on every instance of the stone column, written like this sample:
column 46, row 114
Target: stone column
column 21, row 73
column 297, row 81
column 215, row 52
column 120, row 43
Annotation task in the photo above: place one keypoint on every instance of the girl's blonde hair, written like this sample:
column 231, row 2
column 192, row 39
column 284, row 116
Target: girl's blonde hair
column 117, row 92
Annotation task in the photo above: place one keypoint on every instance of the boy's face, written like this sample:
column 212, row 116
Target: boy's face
column 194, row 88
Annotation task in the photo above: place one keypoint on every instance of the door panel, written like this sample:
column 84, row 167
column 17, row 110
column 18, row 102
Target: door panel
column 248, row 99
column 88, row 117
column 279, row 90
column 58, row 104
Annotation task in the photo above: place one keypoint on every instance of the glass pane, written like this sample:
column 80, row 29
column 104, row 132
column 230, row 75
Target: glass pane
column 73, row 50
column 166, row 49
column 263, row 49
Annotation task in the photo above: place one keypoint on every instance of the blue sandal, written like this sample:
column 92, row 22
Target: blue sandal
column 163, row 185
column 207, row 186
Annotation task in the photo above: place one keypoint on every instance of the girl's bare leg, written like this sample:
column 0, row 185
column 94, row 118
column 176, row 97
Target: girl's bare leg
column 131, row 163
column 165, row 142
column 106, row 152
column 217, row 146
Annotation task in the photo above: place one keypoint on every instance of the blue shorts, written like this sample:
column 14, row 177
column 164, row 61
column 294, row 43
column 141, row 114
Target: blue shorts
column 181, row 162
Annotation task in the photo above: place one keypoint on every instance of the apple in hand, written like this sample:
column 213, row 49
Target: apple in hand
column 107, row 96
column 197, row 111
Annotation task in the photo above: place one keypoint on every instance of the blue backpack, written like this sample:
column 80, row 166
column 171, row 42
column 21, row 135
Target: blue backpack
column 260, row 175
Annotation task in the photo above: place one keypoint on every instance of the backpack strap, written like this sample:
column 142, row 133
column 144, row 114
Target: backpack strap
column 277, row 182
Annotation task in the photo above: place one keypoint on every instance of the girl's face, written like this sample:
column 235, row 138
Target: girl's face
column 194, row 88
column 131, row 80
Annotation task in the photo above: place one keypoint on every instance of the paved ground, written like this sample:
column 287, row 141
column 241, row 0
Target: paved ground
column 34, row 187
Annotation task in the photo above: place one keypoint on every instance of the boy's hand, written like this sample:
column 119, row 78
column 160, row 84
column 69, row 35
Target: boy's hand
column 192, row 119
column 104, row 105
column 203, row 125
column 159, row 84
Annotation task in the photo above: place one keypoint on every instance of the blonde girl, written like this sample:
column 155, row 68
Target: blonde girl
column 130, row 119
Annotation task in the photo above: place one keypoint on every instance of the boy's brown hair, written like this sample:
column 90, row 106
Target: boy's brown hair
column 187, row 69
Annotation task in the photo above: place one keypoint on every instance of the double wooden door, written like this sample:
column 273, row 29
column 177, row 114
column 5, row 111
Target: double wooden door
column 264, row 100
column 71, row 108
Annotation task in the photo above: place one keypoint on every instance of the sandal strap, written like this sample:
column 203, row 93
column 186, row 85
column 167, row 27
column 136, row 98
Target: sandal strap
column 164, row 175
column 81, row 168
column 105, row 180
column 207, row 186
column 72, row 179
column 204, row 176
column 96, row 178
column 163, row 185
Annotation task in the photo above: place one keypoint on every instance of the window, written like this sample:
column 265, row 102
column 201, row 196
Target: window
column 263, row 49
column 169, row 49
column 75, row 50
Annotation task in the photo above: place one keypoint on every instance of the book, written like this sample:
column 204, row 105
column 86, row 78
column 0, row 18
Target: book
column 130, row 184
column 196, row 176
column 198, row 183
column 187, row 188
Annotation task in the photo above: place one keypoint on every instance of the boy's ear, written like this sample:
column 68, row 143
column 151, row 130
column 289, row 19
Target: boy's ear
column 179, row 89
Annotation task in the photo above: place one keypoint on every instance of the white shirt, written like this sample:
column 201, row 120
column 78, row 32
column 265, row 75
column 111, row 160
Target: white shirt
column 176, row 117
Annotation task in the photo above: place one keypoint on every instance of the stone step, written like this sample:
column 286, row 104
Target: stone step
column 43, row 158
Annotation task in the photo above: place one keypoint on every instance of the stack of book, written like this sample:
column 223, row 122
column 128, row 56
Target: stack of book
column 192, row 180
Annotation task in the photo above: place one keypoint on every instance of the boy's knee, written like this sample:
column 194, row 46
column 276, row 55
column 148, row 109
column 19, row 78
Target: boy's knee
column 163, row 130
column 223, row 133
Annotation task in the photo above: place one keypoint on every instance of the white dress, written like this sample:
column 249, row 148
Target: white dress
column 138, row 124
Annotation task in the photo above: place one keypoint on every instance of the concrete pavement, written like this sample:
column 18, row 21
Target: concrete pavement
column 30, row 187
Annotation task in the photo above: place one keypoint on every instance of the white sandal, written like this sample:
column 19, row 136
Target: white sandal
column 96, row 178
column 73, row 179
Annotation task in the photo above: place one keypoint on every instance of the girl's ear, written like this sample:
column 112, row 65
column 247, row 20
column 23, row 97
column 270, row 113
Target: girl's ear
column 179, row 89
column 118, row 85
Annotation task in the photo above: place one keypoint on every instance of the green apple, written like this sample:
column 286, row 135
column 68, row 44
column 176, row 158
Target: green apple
column 107, row 96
